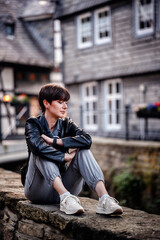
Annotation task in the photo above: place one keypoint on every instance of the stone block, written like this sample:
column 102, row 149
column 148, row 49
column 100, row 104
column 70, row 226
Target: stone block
column 35, row 212
column 53, row 234
column 2, row 204
column 1, row 214
column 9, row 214
column 8, row 232
column 21, row 236
column 28, row 227
column 5, row 218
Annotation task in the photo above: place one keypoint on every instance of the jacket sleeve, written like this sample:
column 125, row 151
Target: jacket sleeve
column 38, row 146
column 75, row 136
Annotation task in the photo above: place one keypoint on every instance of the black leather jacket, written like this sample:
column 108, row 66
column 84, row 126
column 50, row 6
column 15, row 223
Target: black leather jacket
column 71, row 135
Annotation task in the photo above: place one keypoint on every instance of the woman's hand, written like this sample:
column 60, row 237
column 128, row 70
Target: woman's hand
column 69, row 156
column 50, row 140
column 47, row 139
column 59, row 142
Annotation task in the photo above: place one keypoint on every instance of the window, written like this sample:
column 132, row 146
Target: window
column 9, row 26
column 19, row 76
column 113, row 104
column 102, row 26
column 9, row 29
column 90, row 106
column 84, row 31
column 144, row 17
column 31, row 77
column 44, row 77
column 99, row 27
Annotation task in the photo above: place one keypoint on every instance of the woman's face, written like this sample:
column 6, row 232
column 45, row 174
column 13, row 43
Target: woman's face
column 57, row 108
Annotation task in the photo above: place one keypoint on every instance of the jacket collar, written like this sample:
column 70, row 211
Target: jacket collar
column 46, row 129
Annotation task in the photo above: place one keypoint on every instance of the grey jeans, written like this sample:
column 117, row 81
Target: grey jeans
column 41, row 174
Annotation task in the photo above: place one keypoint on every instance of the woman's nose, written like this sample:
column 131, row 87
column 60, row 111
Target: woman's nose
column 64, row 105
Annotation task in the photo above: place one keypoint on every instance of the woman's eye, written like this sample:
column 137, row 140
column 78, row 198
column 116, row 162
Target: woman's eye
column 61, row 102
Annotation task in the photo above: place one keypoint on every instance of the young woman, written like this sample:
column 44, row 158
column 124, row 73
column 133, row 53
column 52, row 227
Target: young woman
column 54, row 174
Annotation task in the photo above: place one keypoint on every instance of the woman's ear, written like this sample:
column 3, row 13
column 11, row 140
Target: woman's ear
column 45, row 103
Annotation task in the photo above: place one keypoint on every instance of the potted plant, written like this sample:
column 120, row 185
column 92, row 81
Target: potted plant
column 20, row 100
column 151, row 110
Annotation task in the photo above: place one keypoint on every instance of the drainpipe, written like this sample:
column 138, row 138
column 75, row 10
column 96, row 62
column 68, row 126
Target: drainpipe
column 142, row 89
column 127, row 110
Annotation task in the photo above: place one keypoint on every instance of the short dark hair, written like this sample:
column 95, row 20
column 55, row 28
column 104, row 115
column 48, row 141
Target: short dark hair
column 52, row 92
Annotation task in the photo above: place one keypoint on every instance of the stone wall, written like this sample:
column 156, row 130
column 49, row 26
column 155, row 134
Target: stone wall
column 22, row 220
column 114, row 153
column 134, row 162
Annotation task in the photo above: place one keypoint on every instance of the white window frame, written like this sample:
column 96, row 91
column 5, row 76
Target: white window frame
column 107, row 39
column 112, row 97
column 145, row 31
column 79, row 32
column 89, row 100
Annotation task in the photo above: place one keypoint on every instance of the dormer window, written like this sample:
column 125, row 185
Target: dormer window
column 9, row 29
column 9, row 26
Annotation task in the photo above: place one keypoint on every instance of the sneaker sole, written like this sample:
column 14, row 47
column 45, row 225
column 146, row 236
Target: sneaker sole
column 79, row 211
column 116, row 212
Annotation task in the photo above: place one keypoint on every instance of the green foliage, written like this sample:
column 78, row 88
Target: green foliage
column 133, row 190
column 22, row 98
column 128, row 188
column 130, row 159
column 154, row 206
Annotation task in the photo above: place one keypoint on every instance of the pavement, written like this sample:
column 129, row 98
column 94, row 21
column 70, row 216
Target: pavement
column 13, row 151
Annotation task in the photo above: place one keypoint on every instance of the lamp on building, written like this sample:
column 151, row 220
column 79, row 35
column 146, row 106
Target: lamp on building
column 7, row 98
column 142, row 88
column 43, row 2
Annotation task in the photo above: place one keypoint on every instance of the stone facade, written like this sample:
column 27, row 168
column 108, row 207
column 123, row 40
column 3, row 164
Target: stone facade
column 125, row 55
column 132, row 60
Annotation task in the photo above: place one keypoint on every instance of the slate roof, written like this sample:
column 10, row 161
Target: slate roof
column 33, row 8
column 75, row 7
column 33, row 40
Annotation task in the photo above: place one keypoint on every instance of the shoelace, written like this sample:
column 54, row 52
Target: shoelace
column 70, row 198
column 109, row 198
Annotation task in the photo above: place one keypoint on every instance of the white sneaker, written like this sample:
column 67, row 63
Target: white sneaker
column 71, row 205
column 109, row 205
